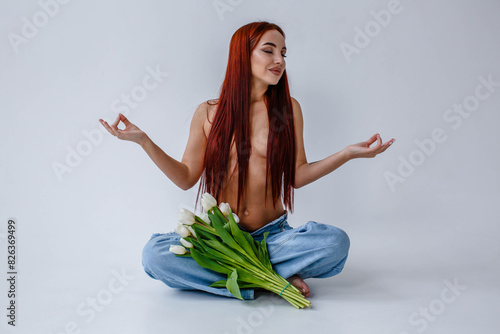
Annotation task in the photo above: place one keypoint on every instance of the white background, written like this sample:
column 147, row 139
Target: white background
column 77, row 229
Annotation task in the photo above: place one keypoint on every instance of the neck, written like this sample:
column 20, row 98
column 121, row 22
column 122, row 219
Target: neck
column 258, row 91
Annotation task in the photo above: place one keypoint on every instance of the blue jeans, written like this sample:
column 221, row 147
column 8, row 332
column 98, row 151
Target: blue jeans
column 313, row 250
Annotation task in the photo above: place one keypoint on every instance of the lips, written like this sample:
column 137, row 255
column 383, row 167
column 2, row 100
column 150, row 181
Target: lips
column 276, row 71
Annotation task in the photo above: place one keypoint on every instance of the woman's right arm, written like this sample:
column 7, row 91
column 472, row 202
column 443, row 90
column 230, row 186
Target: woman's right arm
column 184, row 174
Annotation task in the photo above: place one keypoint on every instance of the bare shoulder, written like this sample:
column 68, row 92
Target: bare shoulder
column 208, row 109
column 297, row 110
column 212, row 108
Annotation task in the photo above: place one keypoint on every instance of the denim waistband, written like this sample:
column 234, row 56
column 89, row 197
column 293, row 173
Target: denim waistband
column 275, row 226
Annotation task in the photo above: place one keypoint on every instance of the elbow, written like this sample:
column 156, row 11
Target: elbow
column 188, row 182
column 299, row 177
column 185, row 181
column 186, row 185
column 297, row 184
column 183, row 187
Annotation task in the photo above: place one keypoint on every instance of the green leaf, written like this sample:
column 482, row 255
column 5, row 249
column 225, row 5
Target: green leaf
column 219, row 214
column 244, row 285
column 240, row 238
column 241, row 284
column 204, row 228
column 201, row 221
column 198, row 245
column 201, row 233
column 251, row 242
column 218, row 284
column 219, row 249
column 225, row 236
column 260, row 252
column 208, row 263
column 232, row 284
column 265, row 253
column 184, row 255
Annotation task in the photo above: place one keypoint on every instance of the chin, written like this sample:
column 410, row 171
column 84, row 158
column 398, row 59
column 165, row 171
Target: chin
column 274, row 82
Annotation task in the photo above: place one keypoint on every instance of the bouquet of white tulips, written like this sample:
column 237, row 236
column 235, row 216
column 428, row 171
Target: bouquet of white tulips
column 215, row 241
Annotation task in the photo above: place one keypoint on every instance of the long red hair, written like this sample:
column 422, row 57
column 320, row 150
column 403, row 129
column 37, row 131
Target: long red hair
column 233, row 117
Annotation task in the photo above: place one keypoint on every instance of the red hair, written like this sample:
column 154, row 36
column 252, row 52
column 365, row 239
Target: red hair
column 233, row 117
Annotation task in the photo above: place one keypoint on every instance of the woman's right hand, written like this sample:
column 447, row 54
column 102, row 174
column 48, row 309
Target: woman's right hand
column 131, row 131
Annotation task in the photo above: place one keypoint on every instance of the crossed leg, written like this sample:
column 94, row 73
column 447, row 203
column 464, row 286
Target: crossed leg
column 311, row 250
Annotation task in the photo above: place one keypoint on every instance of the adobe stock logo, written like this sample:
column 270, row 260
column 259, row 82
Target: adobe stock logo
column 94, row 137
column 223, row 6
column 96, row 303
column 363, row 37
column 436, row 307
column 30, row 28
column 428, row 146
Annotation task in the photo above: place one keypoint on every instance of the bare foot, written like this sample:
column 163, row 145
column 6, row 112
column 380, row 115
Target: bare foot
column 299, row 283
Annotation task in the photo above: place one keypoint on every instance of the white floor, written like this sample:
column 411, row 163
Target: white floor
column 413, row 281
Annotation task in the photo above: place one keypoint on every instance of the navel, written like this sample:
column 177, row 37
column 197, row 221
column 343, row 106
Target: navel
column 246, row 213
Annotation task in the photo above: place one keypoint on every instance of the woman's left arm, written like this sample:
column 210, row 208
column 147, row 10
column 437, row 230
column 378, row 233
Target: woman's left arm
column 308, row 172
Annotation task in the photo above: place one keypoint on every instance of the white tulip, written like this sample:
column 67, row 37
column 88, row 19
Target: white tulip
column 208, row 201
column 182, row 230
column 190, row 229
column 186, row 243
column 177, row 249
column 204, row 217
column 236, row 218
column 224, row 208
column 186, row 217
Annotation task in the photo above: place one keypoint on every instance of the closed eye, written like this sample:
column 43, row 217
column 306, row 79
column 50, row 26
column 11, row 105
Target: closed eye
column 284, row 56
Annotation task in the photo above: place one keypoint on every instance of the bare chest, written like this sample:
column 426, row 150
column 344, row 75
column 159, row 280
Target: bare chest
column 259, row 131
column 255, row 208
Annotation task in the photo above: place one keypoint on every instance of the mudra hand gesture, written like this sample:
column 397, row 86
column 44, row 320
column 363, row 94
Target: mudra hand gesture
column 131, row 131
column 363, row 149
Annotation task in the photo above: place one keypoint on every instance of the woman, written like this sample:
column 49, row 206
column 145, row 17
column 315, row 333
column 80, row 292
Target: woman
column 252, row 143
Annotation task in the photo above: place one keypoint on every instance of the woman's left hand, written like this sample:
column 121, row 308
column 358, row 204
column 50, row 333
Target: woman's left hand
column 363, row 149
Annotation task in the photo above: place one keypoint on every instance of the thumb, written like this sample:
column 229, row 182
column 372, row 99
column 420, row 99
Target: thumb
column 372, row 139
column 117, row 130
column 124, row 119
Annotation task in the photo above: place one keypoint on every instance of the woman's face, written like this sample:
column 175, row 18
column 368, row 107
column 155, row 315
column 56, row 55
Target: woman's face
column 269, row 55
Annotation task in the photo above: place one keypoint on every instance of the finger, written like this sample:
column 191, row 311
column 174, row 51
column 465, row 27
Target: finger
column 107, row 127
column 124, row 120
column 117, row 121
column 389, row 143
column 386, row 145
column 372, row 139
column 375, row 148
column 117, row 131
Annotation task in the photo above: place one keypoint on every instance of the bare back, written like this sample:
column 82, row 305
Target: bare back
column 254, row 211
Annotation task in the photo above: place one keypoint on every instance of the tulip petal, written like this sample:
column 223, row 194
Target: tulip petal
column 177, row 249
column 224, row 208
column 181, row 230
column 208, row 202
column 204, row 217
column 186, row 243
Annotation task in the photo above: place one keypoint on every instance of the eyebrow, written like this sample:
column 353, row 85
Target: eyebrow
column 272, row 44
